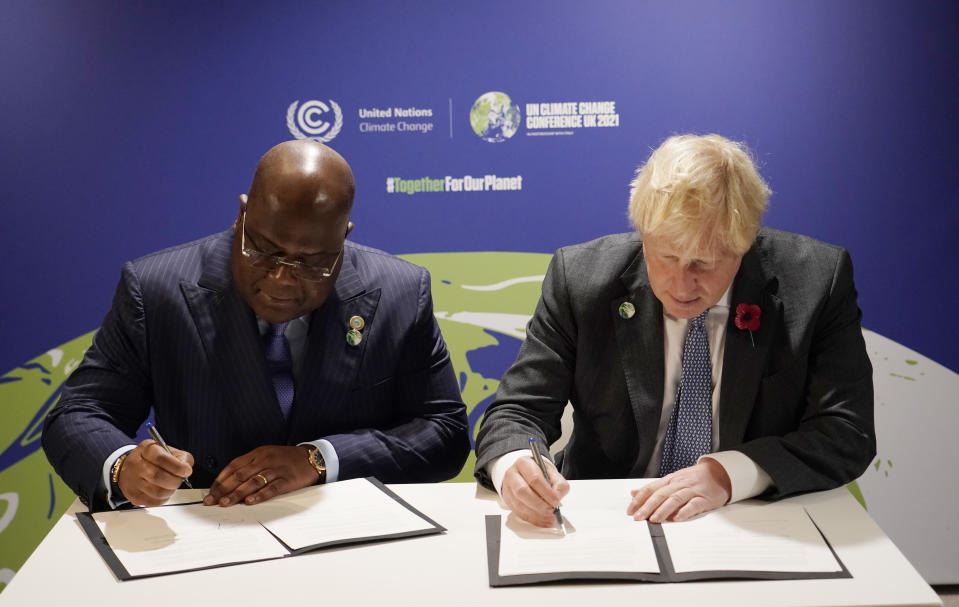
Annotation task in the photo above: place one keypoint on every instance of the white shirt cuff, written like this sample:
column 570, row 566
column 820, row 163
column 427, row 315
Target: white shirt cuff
column 107, row 469
column 329, row 456
column 746, row 478
column 498, row 467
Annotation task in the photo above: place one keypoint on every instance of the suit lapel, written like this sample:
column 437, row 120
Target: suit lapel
column 331, row 365
column 743, row 362
column 640, row 341
column 227, row 328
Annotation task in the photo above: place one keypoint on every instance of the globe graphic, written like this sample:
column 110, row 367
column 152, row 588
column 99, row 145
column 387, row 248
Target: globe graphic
column 494, row 117
column 482, row 302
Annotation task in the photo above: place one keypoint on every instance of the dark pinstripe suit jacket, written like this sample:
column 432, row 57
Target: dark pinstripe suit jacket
column 799, row 402
column 181, row 340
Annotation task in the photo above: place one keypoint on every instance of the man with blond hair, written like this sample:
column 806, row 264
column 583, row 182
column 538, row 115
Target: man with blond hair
column 722, row 358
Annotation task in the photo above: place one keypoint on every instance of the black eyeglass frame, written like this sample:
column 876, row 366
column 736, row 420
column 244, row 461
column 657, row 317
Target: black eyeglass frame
column 265, row 261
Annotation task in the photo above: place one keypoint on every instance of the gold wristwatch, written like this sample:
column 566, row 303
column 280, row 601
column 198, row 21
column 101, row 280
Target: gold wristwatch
column 318, row 463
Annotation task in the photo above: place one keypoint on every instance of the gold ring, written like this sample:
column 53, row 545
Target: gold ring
column 263, row 478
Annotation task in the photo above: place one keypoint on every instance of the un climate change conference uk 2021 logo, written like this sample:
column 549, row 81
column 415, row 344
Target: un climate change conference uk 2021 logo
column 494, row 117
column 314, row 120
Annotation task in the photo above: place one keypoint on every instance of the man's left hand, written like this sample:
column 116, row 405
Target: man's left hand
column 263, row 473
column 683, row 494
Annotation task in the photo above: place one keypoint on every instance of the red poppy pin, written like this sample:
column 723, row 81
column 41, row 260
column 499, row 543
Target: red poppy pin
column 747, row 318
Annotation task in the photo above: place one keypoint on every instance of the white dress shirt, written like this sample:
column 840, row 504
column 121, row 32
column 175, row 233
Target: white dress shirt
column 746, row 478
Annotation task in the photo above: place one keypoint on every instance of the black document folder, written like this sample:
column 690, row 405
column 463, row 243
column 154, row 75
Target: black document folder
column 145, row 542
column 667, row 570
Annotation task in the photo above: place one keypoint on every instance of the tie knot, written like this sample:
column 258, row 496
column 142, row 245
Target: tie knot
column 275, row 330
column 699, row 322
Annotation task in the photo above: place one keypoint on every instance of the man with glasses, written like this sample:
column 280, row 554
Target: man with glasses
column 274, row 356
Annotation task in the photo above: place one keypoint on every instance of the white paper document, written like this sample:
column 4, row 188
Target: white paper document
column 179, row 538
column 166, row 539
column 746, row 540
column 348, row 510
column 750, row 537
column 596, row 540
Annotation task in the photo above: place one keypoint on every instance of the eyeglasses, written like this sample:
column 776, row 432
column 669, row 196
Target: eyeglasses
column 265, row 261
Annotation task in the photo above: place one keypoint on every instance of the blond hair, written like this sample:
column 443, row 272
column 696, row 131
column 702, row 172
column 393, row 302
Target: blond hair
column 699, row 192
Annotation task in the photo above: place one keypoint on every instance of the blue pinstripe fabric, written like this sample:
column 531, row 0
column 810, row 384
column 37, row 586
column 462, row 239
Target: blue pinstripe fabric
column 179, row 339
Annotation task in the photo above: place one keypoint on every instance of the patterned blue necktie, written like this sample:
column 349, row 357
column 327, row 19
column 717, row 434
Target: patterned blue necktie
column 280, row 363
column 690, row 431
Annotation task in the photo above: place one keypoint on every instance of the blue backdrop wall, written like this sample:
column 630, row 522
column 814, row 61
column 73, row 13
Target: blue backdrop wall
column 132, row 126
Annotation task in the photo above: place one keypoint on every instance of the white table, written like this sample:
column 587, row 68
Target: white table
column 450, row 569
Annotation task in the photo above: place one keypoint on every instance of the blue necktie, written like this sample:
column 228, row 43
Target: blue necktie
column 690, row 431
column 280, row 363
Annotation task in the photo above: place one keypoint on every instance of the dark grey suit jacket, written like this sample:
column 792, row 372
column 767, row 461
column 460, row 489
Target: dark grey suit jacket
column 181, row 340
column 799, row 402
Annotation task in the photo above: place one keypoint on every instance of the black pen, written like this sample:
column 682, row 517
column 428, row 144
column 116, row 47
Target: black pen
column 534, row 447
column 159, row 440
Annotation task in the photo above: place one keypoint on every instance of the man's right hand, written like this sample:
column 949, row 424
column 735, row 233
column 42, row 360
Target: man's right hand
column 149, row 475
column 527, row 492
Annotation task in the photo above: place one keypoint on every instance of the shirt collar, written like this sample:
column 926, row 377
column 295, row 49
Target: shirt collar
column 727, row 296
column 300, row 323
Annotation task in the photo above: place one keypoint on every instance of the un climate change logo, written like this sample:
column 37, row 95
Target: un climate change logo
column 494, row 117
column 311, row 121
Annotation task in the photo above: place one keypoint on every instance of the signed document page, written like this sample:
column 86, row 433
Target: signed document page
column 184, row 537
column 149, row 541
column 595, row 541
column 750, row 537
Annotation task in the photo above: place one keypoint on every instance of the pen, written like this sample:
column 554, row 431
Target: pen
column 534, row 447
column 159, row 440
